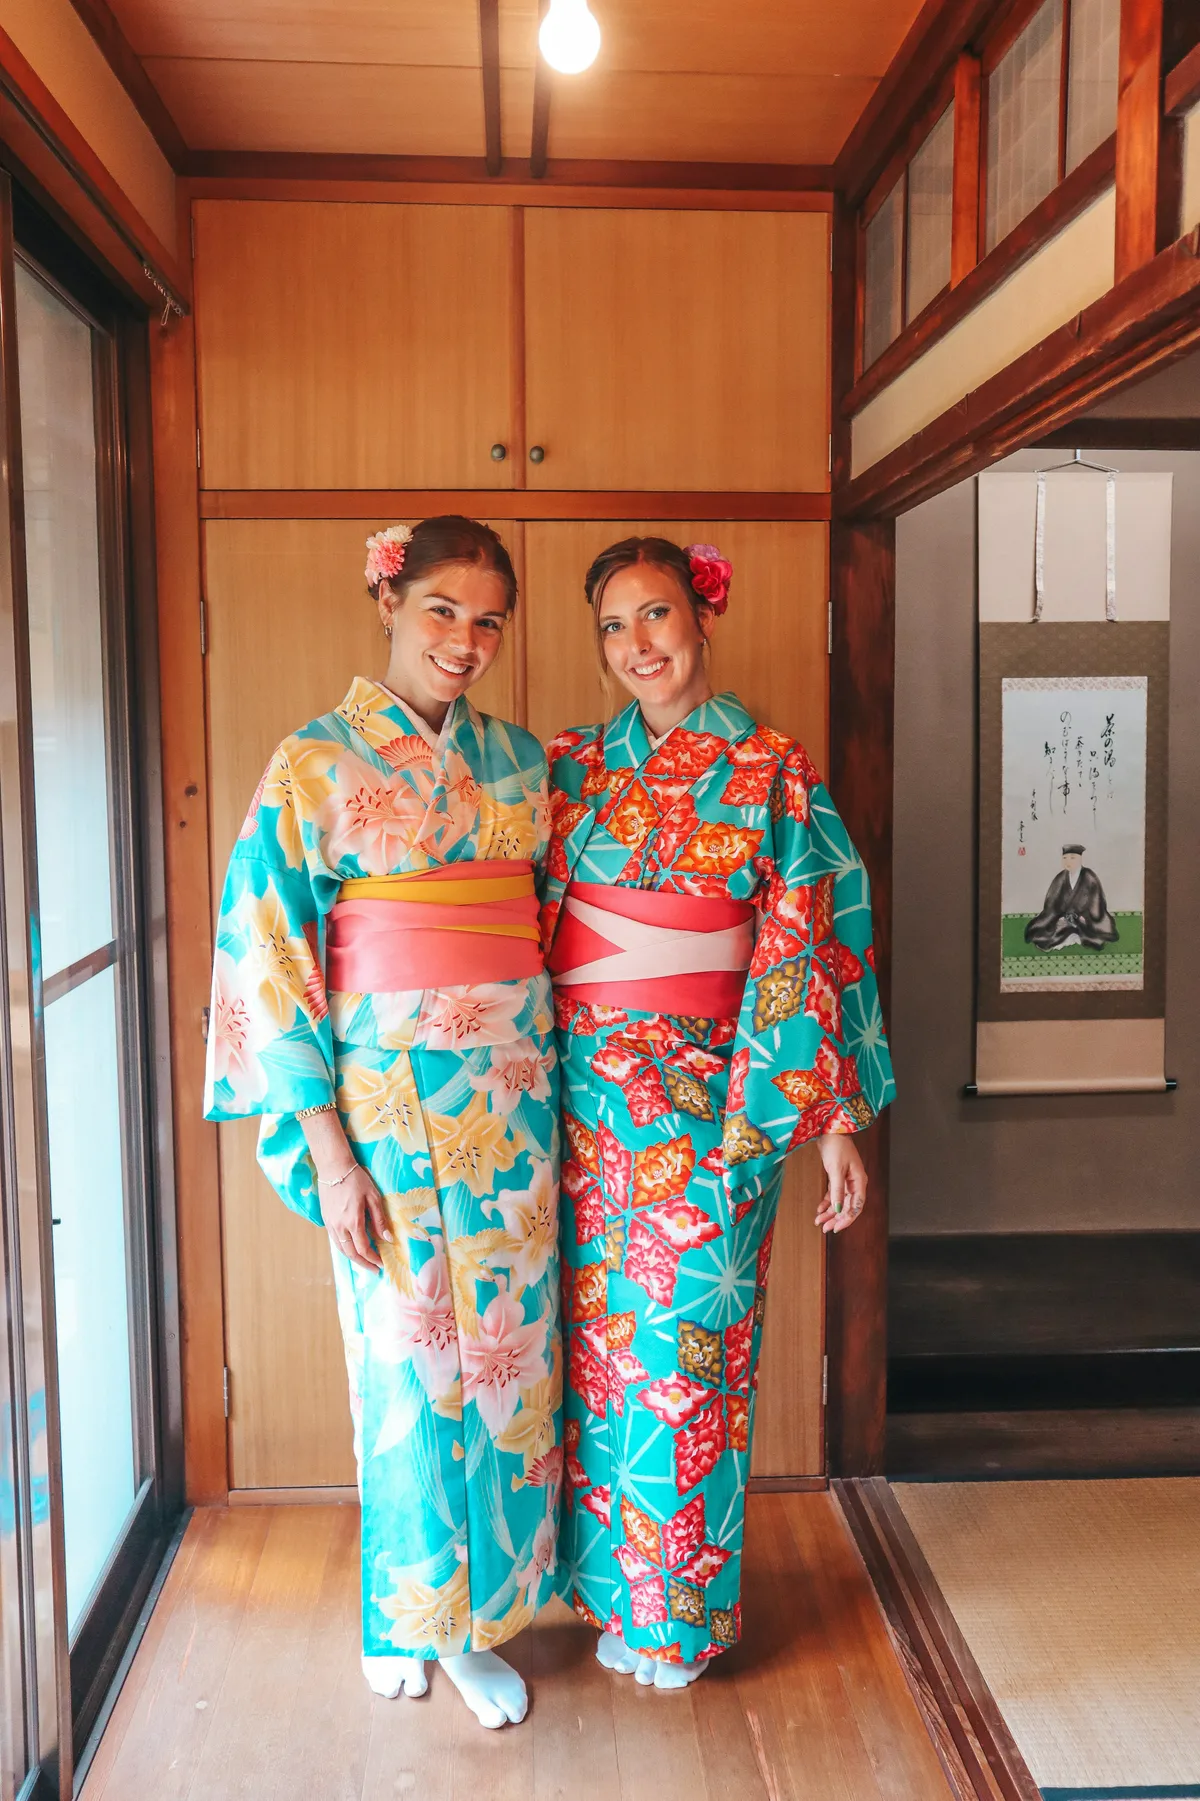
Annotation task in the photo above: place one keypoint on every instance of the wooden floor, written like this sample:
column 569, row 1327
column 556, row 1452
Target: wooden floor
column 247, row 1684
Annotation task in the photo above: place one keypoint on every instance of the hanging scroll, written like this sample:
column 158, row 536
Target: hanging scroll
column 1074, row 608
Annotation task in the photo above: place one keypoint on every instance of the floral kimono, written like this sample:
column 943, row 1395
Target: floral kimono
column 677, row 1128
column 449, row 1097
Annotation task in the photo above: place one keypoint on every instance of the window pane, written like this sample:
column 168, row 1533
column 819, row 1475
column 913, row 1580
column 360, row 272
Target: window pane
column 930, row 203
column 1023, row 114
column 87, row 1194
column 70, row 763
column 1092, row 76
column 882, row 276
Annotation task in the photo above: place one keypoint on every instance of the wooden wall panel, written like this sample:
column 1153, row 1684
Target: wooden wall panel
column 722, row 383
column 353, row 346
column 770, row 646
column 289, row 624
column 771, row 649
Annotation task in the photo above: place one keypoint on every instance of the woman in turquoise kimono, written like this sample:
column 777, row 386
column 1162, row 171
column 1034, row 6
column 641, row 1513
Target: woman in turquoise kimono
column 379, row 999
column 710, row 925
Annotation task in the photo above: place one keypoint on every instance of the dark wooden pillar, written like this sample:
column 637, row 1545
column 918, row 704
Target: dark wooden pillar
column 862, row 589
column 964, row 223
column 861, row 708
column 1141, row 225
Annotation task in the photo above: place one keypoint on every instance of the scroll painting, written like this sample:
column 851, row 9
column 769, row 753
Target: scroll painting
column 1073, row 775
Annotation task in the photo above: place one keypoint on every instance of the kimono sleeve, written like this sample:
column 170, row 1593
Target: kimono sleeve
column 811, row 1055
column 270, row 1049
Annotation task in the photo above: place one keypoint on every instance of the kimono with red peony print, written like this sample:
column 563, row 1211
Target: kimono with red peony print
column 449, row 1096
column 676, row 1131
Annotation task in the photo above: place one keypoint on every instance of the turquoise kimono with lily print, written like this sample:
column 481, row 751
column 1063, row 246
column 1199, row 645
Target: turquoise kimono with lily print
column 676, row 1133
column 449, row 1097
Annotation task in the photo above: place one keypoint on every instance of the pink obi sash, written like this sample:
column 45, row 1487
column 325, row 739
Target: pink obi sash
column 684, row 954
column 448, row 927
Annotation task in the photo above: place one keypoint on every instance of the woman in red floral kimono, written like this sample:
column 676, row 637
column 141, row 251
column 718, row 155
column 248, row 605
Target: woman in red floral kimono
column 710, row 925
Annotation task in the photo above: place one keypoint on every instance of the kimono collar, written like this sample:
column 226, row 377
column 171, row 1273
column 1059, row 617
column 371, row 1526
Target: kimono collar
column 380, row 716
column 627, row 742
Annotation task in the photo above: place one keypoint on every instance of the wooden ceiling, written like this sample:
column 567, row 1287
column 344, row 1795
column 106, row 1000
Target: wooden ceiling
column 715, row 81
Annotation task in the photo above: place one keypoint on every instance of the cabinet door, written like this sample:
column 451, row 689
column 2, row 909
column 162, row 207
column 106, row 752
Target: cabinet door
column 354, row 346
column 289, row 624
column 770, row 648
column 677, row 350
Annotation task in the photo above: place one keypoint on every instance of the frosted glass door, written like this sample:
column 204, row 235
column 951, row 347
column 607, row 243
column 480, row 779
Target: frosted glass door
column 81, row 948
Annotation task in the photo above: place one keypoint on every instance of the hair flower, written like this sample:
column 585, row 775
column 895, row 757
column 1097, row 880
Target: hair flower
column 711, row 575
column 385, row 553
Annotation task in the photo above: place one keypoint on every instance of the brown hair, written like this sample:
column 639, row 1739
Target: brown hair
column 662, row 553
column 452, row 538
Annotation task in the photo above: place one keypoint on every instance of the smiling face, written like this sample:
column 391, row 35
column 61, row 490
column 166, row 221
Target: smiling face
column 446, row 633
column 653, row 639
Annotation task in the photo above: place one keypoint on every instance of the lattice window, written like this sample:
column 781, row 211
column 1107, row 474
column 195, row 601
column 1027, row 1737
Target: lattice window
column 883, row 296
column 1023, row 118
column 1092, row 83
column 930, row 206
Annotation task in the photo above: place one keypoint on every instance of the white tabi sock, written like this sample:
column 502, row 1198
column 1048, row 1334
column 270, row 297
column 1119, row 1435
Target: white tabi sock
column 614, row 1654
column 387, row 1676
column 654, row 1672
column 490, row 1687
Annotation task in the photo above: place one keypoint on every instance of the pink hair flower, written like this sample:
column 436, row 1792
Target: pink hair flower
column 711, row 575
column 385, row 553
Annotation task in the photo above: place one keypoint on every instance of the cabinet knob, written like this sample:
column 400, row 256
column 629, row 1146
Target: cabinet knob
column 499, row 452
column 537, row 454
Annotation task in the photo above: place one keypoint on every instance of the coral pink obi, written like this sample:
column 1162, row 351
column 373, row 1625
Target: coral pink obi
column 434, row 928
column 657, row 952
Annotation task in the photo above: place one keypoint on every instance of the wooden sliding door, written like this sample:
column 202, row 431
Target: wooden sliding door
column 354, row 346
column 677, row 350
column 770, row 648
column 289, row 624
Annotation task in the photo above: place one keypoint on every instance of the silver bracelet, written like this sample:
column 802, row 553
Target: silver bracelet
column 323, row 1182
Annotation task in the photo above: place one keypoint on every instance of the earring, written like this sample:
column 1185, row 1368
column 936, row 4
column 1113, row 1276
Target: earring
column 387, row 631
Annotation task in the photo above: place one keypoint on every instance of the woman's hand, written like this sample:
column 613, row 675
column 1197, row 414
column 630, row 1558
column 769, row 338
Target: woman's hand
column 847, row 1190
column 348, row 1196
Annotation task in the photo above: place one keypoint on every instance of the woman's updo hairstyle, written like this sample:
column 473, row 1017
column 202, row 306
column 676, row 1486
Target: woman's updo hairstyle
column 661, row 552
column 448, row 538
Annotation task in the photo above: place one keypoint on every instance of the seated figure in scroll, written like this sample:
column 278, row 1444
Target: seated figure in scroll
column 1075, row 910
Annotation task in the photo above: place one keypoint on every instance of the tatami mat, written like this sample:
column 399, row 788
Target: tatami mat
column 1081, row 1604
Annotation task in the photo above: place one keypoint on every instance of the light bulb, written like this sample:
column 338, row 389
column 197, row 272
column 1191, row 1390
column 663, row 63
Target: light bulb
column 569, row 37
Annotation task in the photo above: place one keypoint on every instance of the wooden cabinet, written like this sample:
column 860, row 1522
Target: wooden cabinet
column 374, row 346
column 354, row 346
column 677, row 350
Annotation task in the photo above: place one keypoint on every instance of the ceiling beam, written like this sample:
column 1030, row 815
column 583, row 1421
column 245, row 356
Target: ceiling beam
column 802, row 183
column 539, row 149
column 126, row 65
column 489, row 48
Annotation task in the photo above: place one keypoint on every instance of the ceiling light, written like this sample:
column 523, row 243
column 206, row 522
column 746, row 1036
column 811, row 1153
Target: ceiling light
column 569, row 37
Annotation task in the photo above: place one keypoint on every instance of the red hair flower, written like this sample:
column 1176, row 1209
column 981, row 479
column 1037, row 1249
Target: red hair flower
column 711, row 575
